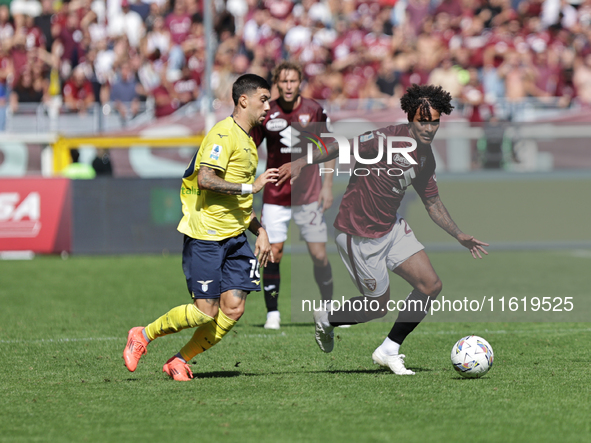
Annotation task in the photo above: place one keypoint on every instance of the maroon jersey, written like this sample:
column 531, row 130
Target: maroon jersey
column 370, row 202
column 278, row 131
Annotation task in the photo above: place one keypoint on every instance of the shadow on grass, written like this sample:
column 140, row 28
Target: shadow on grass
column 217, row 374
column 460, row 378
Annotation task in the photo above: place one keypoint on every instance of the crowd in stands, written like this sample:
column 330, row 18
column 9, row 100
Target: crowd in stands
column 80, row 52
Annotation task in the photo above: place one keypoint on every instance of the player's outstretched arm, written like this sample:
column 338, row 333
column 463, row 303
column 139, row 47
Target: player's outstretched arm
column 292, row 170
column 269, row 176
column 262, row 246
column 211, row 181
column 438, row 213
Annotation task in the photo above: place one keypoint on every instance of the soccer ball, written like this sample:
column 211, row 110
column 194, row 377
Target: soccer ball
column 472, row 356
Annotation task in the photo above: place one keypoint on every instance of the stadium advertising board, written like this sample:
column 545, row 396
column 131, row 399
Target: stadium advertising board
column 35, row 215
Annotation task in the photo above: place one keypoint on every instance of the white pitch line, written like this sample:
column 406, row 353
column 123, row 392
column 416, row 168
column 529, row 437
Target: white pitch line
column 283, row 334
column 60, row 340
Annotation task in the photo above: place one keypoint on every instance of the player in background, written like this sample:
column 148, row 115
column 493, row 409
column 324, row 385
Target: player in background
column 306, row 200
column 373, row 239
column 219, row 266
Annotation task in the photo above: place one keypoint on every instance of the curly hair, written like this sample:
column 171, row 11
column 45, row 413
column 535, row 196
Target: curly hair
column 425, row 97
column 287, row 66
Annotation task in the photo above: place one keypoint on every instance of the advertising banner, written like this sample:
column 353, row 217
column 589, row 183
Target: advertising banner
column 35, row 215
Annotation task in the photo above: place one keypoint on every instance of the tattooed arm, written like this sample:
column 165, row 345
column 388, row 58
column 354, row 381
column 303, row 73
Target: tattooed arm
column 441, row 217
column 209, row 180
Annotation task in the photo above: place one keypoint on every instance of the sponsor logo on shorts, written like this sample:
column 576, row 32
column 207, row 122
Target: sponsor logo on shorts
column 204, row 284
column 276, row 125
column 215, row 152
column 370, row 283
column 256, row 282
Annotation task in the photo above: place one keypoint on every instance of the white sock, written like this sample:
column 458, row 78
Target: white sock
column 390, row 347
column 324, row 320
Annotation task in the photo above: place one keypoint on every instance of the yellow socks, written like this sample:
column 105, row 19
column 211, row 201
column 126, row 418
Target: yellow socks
column 177, row 319
column 207, row 335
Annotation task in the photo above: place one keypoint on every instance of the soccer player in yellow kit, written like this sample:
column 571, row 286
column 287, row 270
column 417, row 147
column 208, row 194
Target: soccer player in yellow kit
column 218, row 263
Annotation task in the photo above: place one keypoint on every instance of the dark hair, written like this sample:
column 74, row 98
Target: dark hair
column 424, row 97
column 247, row 84
column 286, row 66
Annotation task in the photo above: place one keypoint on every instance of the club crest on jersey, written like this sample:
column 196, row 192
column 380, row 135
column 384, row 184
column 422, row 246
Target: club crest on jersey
column 275, row 114
column 204, row 284
column 215, row 152
column 276, row 125
column 400, row 161
column 370, row 283
column 304, row 119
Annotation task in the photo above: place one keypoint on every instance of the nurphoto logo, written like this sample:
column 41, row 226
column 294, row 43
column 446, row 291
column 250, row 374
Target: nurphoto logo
column 396, row 155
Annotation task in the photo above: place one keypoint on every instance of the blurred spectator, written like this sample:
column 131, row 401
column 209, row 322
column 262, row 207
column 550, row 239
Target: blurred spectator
column 78, row 92
column 102, row 163
column 6, row 28
column 447, row 76
column 476, row 110
column 178, row 22
column 582, row 79
column 124, row 93
column 142, row 8
column 77, row 170
column 44, row 22
column 185, row 88
column 165, row 100
column 158, row 38
column 2, row 106
column 499, row 50
column 128, row 23
column 70, row 39
column 27, row 90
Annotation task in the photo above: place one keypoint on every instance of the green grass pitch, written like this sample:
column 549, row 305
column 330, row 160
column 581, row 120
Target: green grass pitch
column 63, row 326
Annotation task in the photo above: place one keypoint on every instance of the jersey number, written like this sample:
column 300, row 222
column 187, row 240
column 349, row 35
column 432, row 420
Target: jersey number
column 254, row 269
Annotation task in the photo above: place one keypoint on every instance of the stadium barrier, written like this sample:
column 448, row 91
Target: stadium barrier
column 63, row 145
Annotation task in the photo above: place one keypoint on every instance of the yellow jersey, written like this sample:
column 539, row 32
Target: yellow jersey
column 209, row 215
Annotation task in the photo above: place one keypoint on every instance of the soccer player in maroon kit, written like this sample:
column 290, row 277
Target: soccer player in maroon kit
column 306, row 200
column 373, row 239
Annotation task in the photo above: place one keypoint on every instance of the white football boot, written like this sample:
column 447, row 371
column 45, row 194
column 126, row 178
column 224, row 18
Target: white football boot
column 394, row 362
column 273, row 320
column 324, row 334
